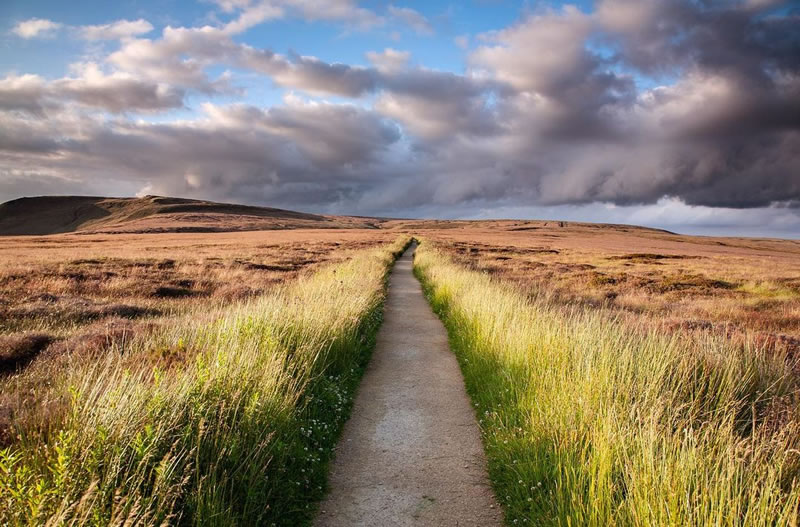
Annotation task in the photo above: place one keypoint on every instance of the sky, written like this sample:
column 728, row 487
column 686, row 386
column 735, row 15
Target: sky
column 678, row 114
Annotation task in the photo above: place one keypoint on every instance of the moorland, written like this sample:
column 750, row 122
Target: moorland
column 166, row 360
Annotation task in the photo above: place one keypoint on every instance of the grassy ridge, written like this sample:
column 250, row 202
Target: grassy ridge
column 235, row 429
column 590, row 421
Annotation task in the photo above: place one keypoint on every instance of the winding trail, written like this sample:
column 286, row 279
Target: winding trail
column 411, row 452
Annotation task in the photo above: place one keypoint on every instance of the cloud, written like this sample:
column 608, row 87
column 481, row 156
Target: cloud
column 412, row 18
column 311, row 74
column 36, row 27
column 253, row 13
column 389, row 59
column 117, row 92
column 23, row 92
column 116, row 30
column 561, row 89
column 436, row 105
column 179, row 58
column 252, row 16
column 337, row 10
column 724, row 134
column 691, row 107
column 302, row 151
column 182, row 55
column 544, row 53
column 671, row 36
column 230, row 6
column 326, row 133
column 42, row 28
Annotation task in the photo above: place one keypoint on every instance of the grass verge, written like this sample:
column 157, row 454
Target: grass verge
column 589, row 420
column 234, row 426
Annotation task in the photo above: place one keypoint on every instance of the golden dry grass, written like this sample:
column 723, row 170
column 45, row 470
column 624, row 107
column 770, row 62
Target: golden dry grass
column 223, row 414
column 57, row 283
column 592, row 416
column 89, row 286
column 731, row 286
column 69, row 298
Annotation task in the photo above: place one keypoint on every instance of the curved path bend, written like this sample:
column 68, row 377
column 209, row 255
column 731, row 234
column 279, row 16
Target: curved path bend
column 411, row 452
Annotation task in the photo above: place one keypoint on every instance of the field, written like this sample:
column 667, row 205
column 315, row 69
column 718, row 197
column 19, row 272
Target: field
column 619, row 375
column 729, row 286
column 624, row 376
column 69, row 291
column 168, row 378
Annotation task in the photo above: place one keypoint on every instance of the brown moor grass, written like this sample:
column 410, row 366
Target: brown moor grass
column 67, row 299
column 730, row 286
column 222, row 413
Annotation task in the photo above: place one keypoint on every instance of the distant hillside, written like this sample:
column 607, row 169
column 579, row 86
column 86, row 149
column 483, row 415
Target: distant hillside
column 153, row 214
column 86, row 214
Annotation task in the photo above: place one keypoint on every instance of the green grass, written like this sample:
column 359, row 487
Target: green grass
column 587, row 420
column 765, row 289
column 239, row 433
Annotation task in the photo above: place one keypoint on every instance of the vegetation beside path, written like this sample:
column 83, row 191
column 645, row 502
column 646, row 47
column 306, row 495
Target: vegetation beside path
column 590, row 420
column 233, row 427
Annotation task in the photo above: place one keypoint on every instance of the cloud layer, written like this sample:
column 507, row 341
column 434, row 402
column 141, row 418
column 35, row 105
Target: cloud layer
column 639, row 102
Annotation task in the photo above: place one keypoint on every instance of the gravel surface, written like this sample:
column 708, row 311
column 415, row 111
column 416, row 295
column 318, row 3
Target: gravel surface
column 411, row 452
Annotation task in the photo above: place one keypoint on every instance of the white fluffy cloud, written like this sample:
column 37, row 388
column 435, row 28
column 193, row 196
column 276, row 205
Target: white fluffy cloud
column 43, row 28
column 389, row 59
column 35, row 27
column 543, row 53
column 116, row 92
column 116, row 30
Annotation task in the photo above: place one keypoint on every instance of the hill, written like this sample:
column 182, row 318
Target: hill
column 158, row 214
column 149, row 214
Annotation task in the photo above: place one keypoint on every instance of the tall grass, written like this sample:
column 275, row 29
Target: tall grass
column 588, row 420
column 237, row 433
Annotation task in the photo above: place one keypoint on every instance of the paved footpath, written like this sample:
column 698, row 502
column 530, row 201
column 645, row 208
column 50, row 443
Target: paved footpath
column 411, row 452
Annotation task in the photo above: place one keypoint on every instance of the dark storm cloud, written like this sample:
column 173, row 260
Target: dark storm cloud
column 724, row 134
column 739, row 38
column 756, row 54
